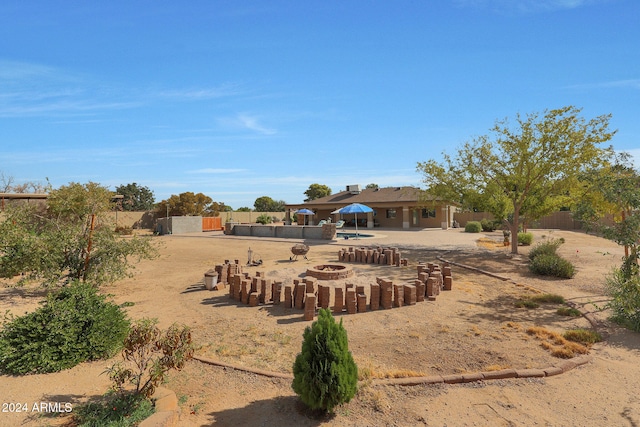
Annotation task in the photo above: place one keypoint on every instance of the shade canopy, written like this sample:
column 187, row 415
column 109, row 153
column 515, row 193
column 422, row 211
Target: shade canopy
column 305, row 212
column 355, row 208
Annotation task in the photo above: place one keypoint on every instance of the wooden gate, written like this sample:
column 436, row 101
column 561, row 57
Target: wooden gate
column 211, row 223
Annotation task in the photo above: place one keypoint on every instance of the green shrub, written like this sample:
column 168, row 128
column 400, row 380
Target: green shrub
column 548, row 247
column 552, row 265
column 624, row 291
column 488, row 225
column 114, row 410
column 75, row 324
column 324, row 373
column 525, row 239
column 264, row 219
column 473, row 227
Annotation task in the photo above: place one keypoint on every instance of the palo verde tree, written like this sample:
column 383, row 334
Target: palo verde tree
column 532, row 167
column 68, row 239
column 614, row 191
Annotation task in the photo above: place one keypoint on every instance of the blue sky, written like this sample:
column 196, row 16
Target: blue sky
column 242, row 99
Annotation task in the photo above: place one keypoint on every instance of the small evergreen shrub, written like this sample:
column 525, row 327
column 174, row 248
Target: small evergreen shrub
column 263, row 219
column 74, row 325
column 525, row 239
column 324, row 373
column 552, row 265
column 473, row 227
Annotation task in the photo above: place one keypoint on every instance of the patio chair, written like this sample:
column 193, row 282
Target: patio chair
column 340, row 224
column 322, row 222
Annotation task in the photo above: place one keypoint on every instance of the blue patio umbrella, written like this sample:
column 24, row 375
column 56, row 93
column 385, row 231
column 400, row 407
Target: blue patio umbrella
column 305, row 212
column 355, row 208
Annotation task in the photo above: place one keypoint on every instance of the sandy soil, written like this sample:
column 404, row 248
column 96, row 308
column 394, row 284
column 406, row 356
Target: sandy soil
column 475, row 327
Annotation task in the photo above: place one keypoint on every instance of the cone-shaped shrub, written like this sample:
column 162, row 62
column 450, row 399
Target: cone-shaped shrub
column 324, row 373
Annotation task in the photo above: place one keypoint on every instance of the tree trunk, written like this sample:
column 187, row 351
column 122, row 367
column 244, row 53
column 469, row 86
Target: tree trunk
column 514, row 231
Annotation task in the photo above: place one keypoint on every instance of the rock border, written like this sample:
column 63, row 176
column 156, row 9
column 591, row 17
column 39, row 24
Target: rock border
column 167, row 409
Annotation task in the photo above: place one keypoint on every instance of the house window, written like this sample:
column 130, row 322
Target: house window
column 428, row 213
column 391, row 213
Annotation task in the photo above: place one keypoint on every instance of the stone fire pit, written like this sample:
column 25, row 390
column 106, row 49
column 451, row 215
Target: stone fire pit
column 330, row 271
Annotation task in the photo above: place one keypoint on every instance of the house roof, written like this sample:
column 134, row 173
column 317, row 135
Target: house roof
column 371, row 196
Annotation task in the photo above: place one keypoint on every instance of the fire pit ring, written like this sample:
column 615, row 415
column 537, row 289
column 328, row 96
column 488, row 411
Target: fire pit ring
column 330, row 271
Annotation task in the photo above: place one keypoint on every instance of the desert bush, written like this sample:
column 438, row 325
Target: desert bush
column 148, row 355
column 552, row 265
column 473, row 227
column 74, row 325
column 113, row 410
column 548, row 247
column 488, row 225
column 624, row 291
column 325, row 374
column 264, row 219
column 525, row 239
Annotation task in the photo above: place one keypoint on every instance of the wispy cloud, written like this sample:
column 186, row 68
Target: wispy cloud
column 525, row 6
column 247, row 122
column 617, row 84
column 38, row 90
column 215, row 171
column 252, row 123
column 222, row 91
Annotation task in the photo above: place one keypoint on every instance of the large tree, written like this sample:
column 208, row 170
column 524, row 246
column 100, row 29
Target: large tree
column 68, row 239
column 189, row 204
column 316, row 191
column 533, row 165
column 267, row 204
column 136, row 197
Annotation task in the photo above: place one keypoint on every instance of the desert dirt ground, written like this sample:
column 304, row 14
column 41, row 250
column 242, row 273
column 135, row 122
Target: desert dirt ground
column 475, row 327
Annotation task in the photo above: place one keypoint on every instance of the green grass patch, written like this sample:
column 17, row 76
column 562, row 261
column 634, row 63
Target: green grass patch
column 526, row 303
column 114, row 410
column 569, row 311
column 548, row 299
column 583, row 336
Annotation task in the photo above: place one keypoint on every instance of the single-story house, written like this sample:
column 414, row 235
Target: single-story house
column 393, row 207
